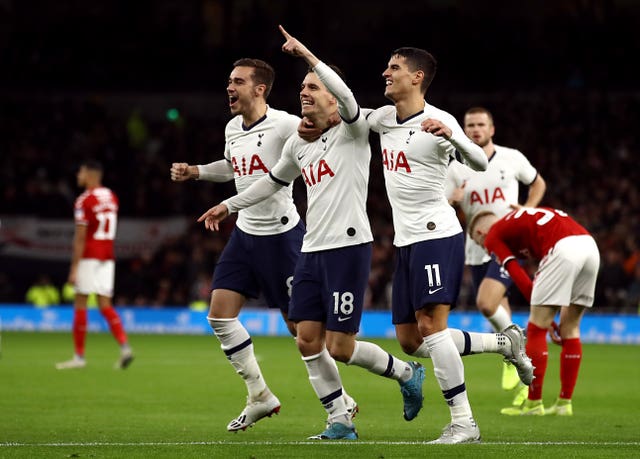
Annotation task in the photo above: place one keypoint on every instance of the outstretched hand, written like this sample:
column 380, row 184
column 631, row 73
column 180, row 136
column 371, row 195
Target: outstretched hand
column 292, row 45
column 214, row 216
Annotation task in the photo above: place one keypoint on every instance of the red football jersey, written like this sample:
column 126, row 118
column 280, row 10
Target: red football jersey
column 528, row 233
column 98, row 209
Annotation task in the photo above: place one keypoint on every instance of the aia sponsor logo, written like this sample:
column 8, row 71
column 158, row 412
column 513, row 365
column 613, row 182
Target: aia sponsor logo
column 242, row 166
column 394, row 161
column 314, row 173
column 486, row 196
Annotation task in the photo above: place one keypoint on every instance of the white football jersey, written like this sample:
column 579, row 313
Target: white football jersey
column 493, row 190
column 335, row 170
column 252, row 151
column 415, row 168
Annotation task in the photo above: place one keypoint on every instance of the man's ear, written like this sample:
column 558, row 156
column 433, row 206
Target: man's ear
column 419, row 76
column 259, row 89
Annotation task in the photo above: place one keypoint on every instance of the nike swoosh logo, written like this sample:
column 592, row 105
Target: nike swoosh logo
column 342, row 319
column 300, row 157
column 431, row 292
column 385, row 132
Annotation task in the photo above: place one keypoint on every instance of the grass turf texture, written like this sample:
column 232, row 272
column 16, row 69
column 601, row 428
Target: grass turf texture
column 180, row 392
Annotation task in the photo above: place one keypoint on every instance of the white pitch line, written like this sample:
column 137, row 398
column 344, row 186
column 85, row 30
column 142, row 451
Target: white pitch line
column 285, row 443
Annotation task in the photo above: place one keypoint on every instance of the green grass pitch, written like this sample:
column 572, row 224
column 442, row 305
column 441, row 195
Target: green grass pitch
column 180, row 392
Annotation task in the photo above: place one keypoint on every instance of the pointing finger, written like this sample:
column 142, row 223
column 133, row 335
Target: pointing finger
column 284, row 33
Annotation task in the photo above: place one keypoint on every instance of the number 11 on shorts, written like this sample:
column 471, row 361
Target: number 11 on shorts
column 433, row 274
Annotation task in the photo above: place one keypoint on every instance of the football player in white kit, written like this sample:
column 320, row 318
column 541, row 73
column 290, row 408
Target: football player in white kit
column 495, row 190
column 332, row 273
column 264, row 247
column 417, row 141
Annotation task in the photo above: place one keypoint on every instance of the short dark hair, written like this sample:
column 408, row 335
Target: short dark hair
column 419, row 59
column 92, row 164
column 263, row 73
column 478, row 109
column 335, row 68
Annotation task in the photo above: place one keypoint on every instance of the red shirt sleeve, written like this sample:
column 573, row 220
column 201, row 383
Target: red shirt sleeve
column 520, row 278
column 507, row 259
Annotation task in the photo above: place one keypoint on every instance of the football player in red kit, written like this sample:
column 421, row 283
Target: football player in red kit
column 92, row 262
column 564, row 281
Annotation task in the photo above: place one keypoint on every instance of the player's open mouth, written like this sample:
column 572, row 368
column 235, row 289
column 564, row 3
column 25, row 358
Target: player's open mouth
column 388, row 82
column 306, row 103
column 232, row 100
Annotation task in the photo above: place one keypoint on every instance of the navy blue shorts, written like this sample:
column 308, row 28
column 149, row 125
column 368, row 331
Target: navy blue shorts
column 251, row 265
column 329, row 287
column 427, row 272
column 492, row 270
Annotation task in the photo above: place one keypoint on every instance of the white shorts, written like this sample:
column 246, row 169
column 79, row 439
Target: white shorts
column 95, row 276
column 567, row 274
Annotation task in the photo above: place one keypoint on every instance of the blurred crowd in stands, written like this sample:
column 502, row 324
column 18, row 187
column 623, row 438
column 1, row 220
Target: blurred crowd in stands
column 581, row 142
column 556, row 76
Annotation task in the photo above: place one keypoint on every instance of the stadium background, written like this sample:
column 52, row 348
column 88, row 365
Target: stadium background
column 141, row 84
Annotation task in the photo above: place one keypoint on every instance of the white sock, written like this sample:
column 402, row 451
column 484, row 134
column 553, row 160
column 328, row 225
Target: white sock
column 238, row 347
column 500, row 319
column 466, row 343
column 496, row 342
column 449, row 372
column 325, row 380
column 373, row 358
column 347, row 398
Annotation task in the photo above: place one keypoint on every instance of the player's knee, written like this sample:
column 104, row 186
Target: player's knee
column 339, row 354
column 307, row 345
column 486, row 307
column 409, row 344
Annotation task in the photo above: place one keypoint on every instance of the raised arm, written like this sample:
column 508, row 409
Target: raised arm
column 347, row 104
column 258, row 191
column 217, row 171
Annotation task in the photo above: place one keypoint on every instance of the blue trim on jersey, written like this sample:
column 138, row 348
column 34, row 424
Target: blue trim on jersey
column 450, row 393
column 331, row 397
column 467, row 343
column 277, row 180
column 399, row 121
column 492, row 155
column 254, row 124
column 355, row 118
column 534, row 179
column 239, row 347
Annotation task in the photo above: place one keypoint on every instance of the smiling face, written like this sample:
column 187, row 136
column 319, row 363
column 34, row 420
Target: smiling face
column 479, row 128
column 400, row 81
column 242, row 91
column 315, row 100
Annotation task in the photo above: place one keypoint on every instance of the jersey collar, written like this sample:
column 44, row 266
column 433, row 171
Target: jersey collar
column 399, row 121
column 255, row 123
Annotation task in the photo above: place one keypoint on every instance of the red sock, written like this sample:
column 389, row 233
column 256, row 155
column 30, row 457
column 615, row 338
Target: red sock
column 570, row 359
column 538, row 352
column 115, row 325
column 79, row 330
